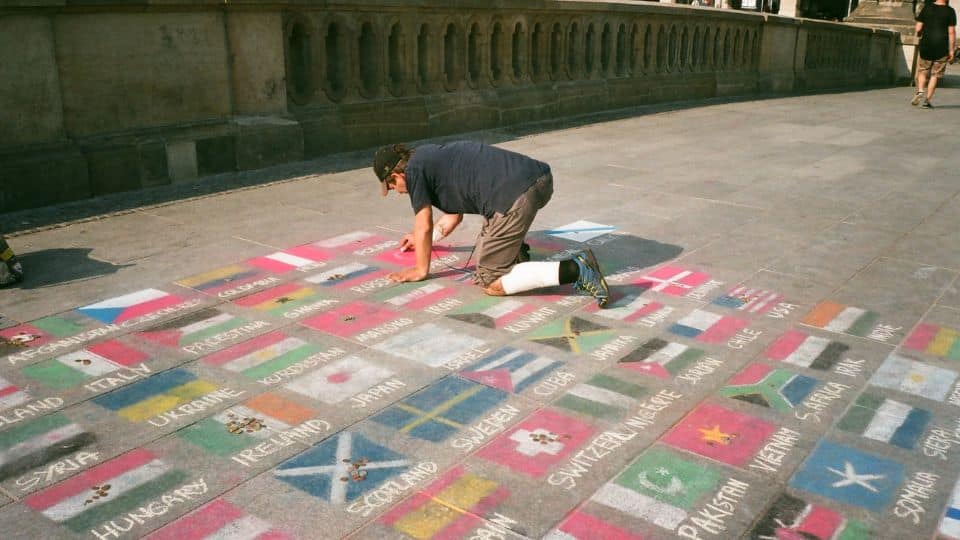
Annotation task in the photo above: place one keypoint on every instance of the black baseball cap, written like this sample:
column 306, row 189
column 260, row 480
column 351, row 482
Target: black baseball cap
column 384, row 161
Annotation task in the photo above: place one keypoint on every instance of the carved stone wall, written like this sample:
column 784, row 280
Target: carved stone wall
column 109, row 96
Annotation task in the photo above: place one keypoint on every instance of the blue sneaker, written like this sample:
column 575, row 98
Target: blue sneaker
column 591, row 278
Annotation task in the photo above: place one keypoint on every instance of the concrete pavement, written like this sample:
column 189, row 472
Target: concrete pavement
column 780, row 359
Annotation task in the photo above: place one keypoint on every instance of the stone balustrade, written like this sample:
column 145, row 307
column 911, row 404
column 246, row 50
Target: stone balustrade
column 108, row 96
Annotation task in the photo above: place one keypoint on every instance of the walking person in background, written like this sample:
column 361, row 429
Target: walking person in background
column 504, row 187
column 937, row 28
column 10, row 270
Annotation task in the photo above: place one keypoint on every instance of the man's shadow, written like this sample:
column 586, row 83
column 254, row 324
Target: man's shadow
column 61, row 265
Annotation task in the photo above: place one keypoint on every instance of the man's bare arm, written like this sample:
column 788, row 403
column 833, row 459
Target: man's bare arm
column 422, row 243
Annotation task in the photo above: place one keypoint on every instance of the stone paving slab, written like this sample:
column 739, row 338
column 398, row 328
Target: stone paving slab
column 779, row 357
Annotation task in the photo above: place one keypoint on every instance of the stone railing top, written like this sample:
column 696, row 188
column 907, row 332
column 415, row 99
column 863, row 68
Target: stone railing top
column 504, row 6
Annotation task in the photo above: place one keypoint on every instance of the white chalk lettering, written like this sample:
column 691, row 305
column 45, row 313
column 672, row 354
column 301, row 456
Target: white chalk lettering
column 246, row 287
column 491, row 425
column 781, row 310
column 770, row 457
column 702, row 291
column 820, row 400
column 118, row 378
column 920, row 488
column 466, row 358
column 311, row 361
column 700, row 369
column 557, row 380
column 939, row 442
column 656, row 317
column 712, row 517
column 385, row 388
column 301, row 433
column 883, row 332
column 393, row 489
column 581, row 462
column 613, row 348
column 530, row 320
column 384, row 330
column 743, row 338
column 444, row 306
column 849, row 367
column 156, row 508
column 37, row 408
column 51, row 472
column 215, row 341
column 196, row 406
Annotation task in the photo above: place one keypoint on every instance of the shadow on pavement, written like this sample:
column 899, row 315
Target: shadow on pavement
column 61, row 265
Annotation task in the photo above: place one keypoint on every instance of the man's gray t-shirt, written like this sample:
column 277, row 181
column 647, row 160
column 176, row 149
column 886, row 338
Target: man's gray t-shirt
column 468, row 177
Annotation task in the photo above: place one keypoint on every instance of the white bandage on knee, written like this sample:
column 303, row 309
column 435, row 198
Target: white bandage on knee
column 531, row 275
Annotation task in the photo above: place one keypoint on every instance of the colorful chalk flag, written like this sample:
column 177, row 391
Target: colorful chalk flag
column 286, row 298
column 581, row 231
column 18, row 338
column 582, row 526
column 429, row 344
column 842, row 319
column 263, row 355
column 794, row 518
column 950, row 524
column 804, row 350
column 707, row 326
column 108, row 490
column 660, row 358
column 748, row 299
column 450, row 507
column 628, row 308
column 602, row 396
column 223, row 279
column 193, row 328
column 672, row 280
column 913, row 377
column 342, row 468
column 573, row 334
column 885, row 420
column 510, row 369
column 301, row 257
column 356, row 241
column 492, row 312
column 659, row 487
column 721, row 434
column 346, row 275
column 416, row 296
column 158, row 394
column 849, row 476
column 348, row 320
column 778, row 389
column 78, row 367
column 935, row 340
column 219, row 520
column 546, row 438
column 340, row 380
column 440, row 410
column 130, row 306
column 11, row 395
column 39, row 442
column 244, row 425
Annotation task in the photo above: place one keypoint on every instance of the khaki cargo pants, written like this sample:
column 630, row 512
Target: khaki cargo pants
column 498, row 248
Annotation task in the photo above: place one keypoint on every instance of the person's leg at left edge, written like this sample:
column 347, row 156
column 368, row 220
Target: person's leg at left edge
column 10, row 269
